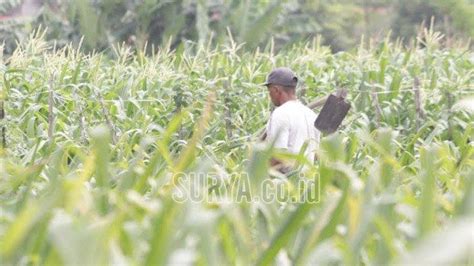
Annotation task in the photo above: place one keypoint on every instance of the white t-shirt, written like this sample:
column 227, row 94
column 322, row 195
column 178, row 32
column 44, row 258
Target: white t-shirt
column 291, row 125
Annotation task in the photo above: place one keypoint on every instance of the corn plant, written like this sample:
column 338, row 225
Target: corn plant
column 96, row 147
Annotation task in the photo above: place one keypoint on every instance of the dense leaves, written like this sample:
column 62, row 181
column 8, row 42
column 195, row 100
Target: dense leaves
column 150, row 23
column 96, row 146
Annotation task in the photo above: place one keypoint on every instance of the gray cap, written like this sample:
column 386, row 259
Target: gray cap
column 282, row 76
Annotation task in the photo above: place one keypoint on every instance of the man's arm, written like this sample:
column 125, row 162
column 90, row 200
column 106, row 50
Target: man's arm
column 278, row 131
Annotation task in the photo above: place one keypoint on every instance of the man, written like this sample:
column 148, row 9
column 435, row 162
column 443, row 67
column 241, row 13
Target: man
column 291, row 124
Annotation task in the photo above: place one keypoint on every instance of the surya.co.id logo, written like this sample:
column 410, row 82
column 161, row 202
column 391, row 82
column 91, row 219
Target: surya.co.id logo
column 199, row 187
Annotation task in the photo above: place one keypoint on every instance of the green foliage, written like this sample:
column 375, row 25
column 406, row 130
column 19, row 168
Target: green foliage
column 453, row 17
column 100, row 189
column 9, row 5
column 151, row 23
column 461, row 13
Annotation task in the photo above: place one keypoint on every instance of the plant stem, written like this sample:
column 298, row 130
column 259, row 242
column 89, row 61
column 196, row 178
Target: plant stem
column 50, row 111
column 418, row 103
column 2, row 119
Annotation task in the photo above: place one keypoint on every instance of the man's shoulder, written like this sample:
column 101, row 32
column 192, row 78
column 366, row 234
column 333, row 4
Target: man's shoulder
column 280, row 113
column 291, row 108
column 309, row 110
column 305, row 109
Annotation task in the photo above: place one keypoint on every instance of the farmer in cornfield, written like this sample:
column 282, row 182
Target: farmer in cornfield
column 291, row 124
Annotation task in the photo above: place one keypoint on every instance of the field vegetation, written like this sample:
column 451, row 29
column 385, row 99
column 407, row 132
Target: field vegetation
column 92, row 145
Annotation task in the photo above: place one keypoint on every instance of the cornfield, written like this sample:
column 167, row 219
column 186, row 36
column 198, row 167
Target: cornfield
column 92, row 145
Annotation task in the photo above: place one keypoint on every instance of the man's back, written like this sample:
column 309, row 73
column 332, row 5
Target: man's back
column 291, row 125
